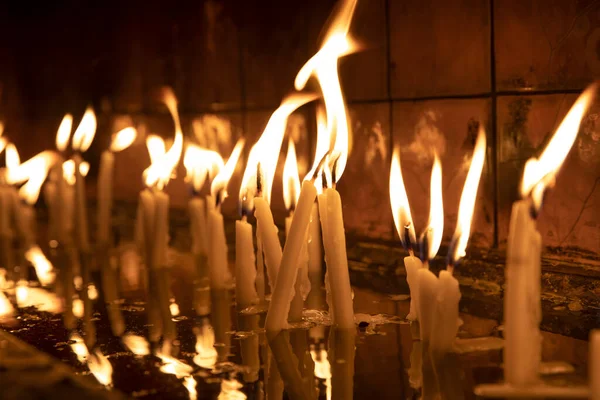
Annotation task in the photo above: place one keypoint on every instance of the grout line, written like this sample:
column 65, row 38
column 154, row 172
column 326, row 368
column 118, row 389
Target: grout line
column 494, row 122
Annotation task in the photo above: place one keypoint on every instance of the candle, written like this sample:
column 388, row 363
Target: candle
column 121, row 140
column 315, row 260
column 245, row 272
column 269, row 240
column 522, row 302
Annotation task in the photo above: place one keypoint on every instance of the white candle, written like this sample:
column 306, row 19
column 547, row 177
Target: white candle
column 81, row 224
column 334, row 241
column 522, row 350
column 297, row 305
column 105, row 197
column 427, row 299
column 594, row 364
column 198, row 232
column 220, row 278
column 445, row 320
column 270, row 241
column 315, row 260
column 245, row 272
column 413, row 265
column 260, row 267
column 280, row 300
column 161, row 229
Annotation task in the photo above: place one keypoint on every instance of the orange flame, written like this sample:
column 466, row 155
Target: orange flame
column 85, row 132
column 172, row 365
column 6, row 307
column 266, row 151
column 540, row 173
column 64, row 132
column 123, row 139
column 220, row 182
column 156, row 147
column 3, row 143
column 159, row 172
column 200, row 164
column 100, row 367
column 190, row 384
column 36, row 297
column 291, row 180
column 68, row 168
column 36, row 170
column 432, row 235
column 400, row 205
column 79, row 348
column 136, row 344
column 467, row 200
column 323, row 65
column 322, row 368
column 206, row 354
column 12, row 157
column 43, row 267
column 230, row 390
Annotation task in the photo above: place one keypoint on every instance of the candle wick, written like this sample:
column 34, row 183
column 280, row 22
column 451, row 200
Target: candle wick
column 450, row 269
column 411, row 252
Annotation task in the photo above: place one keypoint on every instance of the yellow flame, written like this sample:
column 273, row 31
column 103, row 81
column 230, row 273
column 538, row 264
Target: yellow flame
column 123, row 139
column 266, row 150
column 190, row 384
column 64, row 132
column 160, row 171
column 34, row 171
column 92, row 292
column 36, row 297
column 84, row 168
column 219, row 184
column 230, row 390
column 3, row 143
column 468, row 197
column 206, row 354
column 542, row 170
column 68, row 168
column 435, row 226
column 85, row 132
column 156, row 147
column 100, row 367
column 79, row 348
column 43, row 267
column 399, row 202
column 200, row 164
column 174, row 309
column 136, row 344
column 12, row 157
column 172, row 365
column 77, row 308
column 322, row 368
column 291, row 180
column 323, row 65
column 6, row 307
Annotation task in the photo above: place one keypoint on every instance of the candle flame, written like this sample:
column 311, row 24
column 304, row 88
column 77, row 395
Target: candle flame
column 84, row 168
column 291, row 180
column 159, row 172
column 77, row 308
column 64, row 132
column 432, row 236
column 68, row 168
column 85, row 132
column 218, row 188
column 201, row 163
column 540, row 173
column 136, row 344
column 172, row 365
column 100, row 367
column 400, row 205
column 156, row 147
column 43, row 267
column 34, row 171
column 123, row 139
column 190, row 384
column 265, row 151
column 3, row 143
column 92, row 292
column 6, row 307
column 230, row 390
column 36, row 297
column 323, row 65
column 467, row 201
column 322, row 368
column 12, row 157
column 206, row 354
column 79, row 348
column 174, row 309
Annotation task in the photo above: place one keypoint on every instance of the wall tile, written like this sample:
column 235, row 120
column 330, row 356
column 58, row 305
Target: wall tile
column 450, row 127
column 546, row 44
column 569, row 216
column 364, row 185
column 439, row 48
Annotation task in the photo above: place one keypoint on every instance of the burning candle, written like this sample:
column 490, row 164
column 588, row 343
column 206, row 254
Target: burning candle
column 120, row 141
column 522, row 299
column 56, row 189
column 406, row 231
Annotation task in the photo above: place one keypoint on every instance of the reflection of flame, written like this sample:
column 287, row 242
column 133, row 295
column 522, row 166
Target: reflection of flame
column 174, row 309
column 206, row 356
column 92, row 292
column 266, row 150
column 219, row 184
column 123, row 139
column 400, row 206
column 322, row 368
column 64, row 132
column 540, row 172
column 100, row 367
column 39, row 298
column 201, row 163
column 136, row 344
column 467, row 200
column 432, row 235
column 159, row 172
column 79, row 348
column 6, row 307
column 190, row 384
column 324, row 66
column 291, row 180
column 77, row 308
column 43, row 268
column 172, row 365
column 85, row 132
column 230, row 390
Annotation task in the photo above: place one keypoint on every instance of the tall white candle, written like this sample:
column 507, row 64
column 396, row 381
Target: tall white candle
column 445, row 319
column 297, row 305
column 245, row 270
column 280, row 299
column 315, row 260
column 270, row 241
column 220, row 277
column 198, row 224
column 81, row 223
column 161, row 229
column 413, row 265
column 104, row 197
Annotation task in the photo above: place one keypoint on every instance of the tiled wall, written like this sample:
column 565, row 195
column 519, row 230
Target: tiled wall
column 429, row 70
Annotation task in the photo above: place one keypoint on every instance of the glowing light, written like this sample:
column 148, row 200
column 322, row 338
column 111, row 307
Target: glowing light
column 323, row 65
column 92, row 292
column 136, row 344
column 100, row 367
column 467, row 201
column 206, row 354
column 219, row 184
column 174, row 309
column 190, row 384
column 78, row 308
column 64, row 132
column 84, row 168
column 230, row 390
column 159, row 172
column 432, row 235
column 39, row 298
column 156, row 148
column 172, row 365
column 291, row 180
column 43, row 267
column 6, row 307
column 85, row 132
column 35, row 171
column 79, row 348
column 540, row 173
column 123, row 139
column 266, row 151
column 322, row 368
column 12, row 163
column 400, row 205
column 200, row 164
